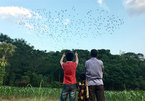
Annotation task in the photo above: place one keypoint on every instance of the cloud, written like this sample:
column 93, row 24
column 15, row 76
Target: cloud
column 17, row 12
column 135, row 7
column 19, row 15
column 6, row 12
column 100, row 2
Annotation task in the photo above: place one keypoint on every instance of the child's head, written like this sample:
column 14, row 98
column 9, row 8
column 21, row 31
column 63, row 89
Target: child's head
column 69, row 56
column 82, row 77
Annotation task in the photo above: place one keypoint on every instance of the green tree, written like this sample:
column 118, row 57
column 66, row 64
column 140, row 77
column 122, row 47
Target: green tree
column 6, row 50
column 30, row 66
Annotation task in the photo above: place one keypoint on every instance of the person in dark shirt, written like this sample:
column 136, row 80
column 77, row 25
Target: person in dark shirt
column 82, row 88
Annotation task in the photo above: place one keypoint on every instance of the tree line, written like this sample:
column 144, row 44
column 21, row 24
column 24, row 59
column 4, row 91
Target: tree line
column 28, row 65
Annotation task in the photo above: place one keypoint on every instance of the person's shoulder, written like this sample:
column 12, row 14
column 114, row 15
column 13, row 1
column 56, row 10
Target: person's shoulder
column 87, row 60
column 73, row 63
column 64, row 63
column 100, row 61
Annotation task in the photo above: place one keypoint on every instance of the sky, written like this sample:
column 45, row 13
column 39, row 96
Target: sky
column 54, row 25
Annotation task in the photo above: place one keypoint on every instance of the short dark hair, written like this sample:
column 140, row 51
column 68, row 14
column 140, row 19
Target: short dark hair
column 82, row 77
column 69, row 56
column 94, row 53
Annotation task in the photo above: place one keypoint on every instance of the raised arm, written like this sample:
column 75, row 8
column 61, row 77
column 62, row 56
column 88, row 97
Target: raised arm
column 61, row 60
column 77, row 60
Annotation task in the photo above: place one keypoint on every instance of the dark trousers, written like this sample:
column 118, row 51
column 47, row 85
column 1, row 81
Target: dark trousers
column 68, row 90
column 97, row 91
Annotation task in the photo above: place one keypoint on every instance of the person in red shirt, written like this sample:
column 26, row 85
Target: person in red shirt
column 69, row 80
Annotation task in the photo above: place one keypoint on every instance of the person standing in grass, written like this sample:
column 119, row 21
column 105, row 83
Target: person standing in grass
column 94, row 74
column 82, row 88
column 69, row 80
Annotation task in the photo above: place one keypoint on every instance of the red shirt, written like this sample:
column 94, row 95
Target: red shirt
column 69, row 72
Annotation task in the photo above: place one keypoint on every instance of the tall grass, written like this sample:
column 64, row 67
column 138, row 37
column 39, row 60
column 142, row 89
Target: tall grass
column 8, row 92
column 53, row 94
column 125, row 95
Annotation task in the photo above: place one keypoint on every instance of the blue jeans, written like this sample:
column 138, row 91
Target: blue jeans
column 68, row 90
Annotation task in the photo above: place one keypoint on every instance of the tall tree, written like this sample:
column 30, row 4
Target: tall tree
column 6, row 50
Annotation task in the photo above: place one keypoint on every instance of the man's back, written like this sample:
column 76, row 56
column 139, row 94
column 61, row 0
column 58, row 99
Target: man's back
column 94, row 74
column 94, row 71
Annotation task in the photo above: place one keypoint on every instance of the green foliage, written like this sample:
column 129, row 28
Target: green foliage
column 2, row 74
column 43, row 94
column 6, row 50
column 125, row 95
column 55, row 84
column 3, row 63
column 30, row 66
column 9, row 92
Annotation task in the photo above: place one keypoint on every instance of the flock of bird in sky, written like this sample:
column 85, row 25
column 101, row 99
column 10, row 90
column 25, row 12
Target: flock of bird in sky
column 67, row 23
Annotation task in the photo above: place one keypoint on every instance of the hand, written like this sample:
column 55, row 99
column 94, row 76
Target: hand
column 77, row 60
column 76, row 54
column 63, row 55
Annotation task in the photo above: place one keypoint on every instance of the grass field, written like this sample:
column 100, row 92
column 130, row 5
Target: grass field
column 53, row 94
